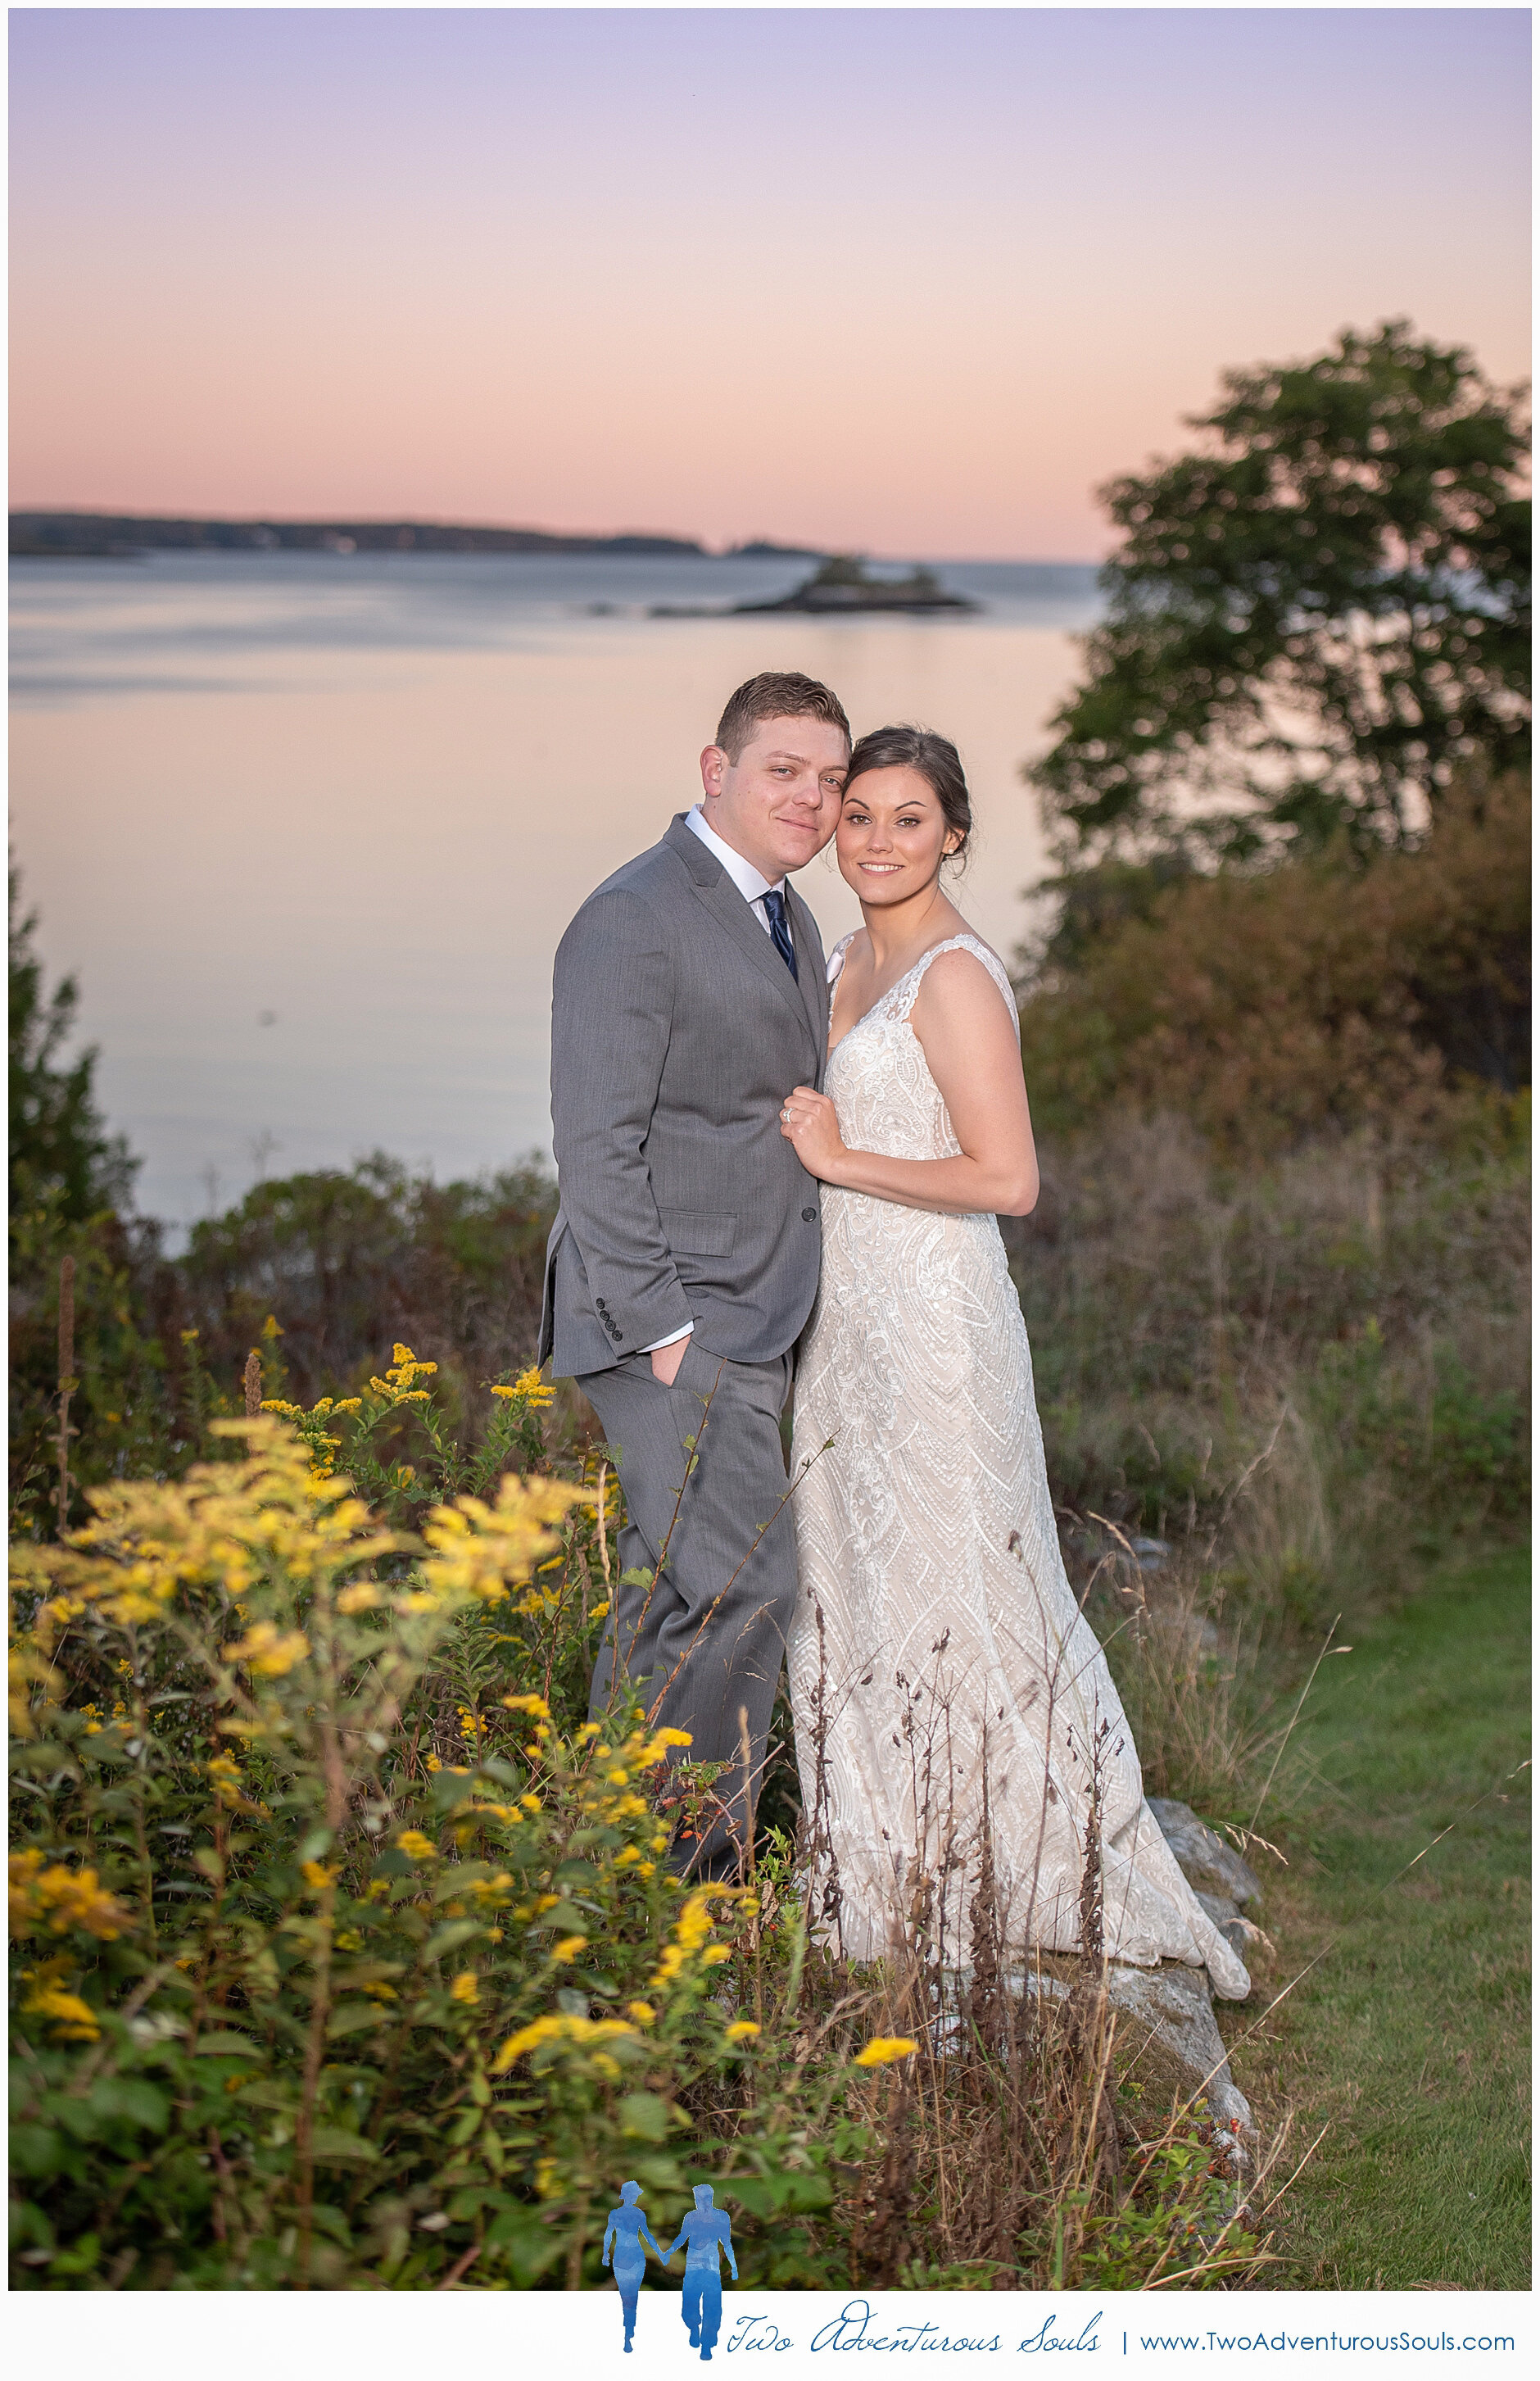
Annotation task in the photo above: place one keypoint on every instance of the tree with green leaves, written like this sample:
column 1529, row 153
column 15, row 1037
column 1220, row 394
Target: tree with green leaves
column 1315, row 621
column 60, row 1149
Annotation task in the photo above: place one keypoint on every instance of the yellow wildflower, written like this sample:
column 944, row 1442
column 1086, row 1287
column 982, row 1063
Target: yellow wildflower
column 316, row 1876
column 465, row 1989
column 362, row 1597
column 643, row 2011
column 59, row 1897
column 483, row 1550
column 265, row 1652
column 743, row 2030
column 414, row 1844
column 578, row 2032
column 883, row 2048
column 567, row 1948
column 72, row 2019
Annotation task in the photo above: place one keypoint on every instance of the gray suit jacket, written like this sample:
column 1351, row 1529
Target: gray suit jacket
column 676, row 1032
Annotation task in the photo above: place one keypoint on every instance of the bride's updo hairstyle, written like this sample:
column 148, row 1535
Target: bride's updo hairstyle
column 937, row 762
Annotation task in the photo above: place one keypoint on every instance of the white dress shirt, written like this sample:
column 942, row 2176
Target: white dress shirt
column 745, row 875
column 754, row 888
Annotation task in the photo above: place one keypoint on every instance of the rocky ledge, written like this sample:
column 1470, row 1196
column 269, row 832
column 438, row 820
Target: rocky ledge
column 1168, row 2042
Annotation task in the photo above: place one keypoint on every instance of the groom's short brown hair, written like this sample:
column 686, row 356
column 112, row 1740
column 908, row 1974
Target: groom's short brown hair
column 777, row 694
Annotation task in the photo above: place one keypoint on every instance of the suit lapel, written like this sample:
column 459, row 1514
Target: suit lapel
column 712, row 885
column 810, row 979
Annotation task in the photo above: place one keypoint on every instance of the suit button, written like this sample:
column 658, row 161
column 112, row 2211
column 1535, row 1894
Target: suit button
column 602, row 1308
column 809, row 1215
column 614, row 1329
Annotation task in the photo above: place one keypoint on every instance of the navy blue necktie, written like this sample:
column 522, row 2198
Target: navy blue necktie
column 781, row 933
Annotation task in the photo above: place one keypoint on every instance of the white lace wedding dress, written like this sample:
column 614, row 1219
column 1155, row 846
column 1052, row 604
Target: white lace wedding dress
column 947, row 1691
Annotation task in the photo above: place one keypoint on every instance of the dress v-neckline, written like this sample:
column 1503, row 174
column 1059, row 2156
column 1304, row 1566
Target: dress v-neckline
column 948, row 941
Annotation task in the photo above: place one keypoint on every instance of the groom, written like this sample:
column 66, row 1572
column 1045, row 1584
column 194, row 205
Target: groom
column 689, row 999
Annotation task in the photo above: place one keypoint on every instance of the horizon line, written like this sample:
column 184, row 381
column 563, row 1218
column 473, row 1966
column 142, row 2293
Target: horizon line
column 789, row 547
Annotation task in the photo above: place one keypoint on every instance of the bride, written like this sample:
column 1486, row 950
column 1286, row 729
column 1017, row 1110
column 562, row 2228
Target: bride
column 956, row 1722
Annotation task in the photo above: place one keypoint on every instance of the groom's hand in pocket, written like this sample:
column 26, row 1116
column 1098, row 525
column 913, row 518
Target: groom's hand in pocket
column 667, row 1360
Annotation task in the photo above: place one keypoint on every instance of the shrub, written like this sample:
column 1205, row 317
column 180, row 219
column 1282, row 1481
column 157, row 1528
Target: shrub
column 1311, row 998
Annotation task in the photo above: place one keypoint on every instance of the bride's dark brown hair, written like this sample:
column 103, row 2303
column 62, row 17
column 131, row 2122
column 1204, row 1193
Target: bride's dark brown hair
column 938, row 763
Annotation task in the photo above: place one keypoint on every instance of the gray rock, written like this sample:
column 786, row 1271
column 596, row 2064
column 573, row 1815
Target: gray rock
column 1169, row 2044
column 1208, row 1864
column 1245, row 1938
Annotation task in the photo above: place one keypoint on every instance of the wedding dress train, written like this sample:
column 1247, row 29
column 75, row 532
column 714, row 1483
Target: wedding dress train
column 949, row 1697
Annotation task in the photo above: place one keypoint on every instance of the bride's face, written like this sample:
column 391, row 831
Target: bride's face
column 892, row 836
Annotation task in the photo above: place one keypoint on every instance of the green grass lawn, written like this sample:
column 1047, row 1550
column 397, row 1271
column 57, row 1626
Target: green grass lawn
column 1410, row 2041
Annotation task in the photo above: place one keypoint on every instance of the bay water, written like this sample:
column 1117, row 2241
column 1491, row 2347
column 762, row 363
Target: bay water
column 307, row 828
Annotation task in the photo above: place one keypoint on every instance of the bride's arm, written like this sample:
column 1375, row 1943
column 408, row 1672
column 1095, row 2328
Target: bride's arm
column 975, row 1057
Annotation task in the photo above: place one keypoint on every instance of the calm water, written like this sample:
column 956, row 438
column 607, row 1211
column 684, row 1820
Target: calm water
column 309, row 828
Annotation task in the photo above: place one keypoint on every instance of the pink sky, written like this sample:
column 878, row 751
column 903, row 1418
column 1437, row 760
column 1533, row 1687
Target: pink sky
column 910, row 281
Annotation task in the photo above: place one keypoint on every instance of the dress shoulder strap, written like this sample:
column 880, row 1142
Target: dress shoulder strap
column 837, row 956
column 980, row 952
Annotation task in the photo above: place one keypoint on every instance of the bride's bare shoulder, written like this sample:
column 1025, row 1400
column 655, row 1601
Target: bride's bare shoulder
column 966, row 973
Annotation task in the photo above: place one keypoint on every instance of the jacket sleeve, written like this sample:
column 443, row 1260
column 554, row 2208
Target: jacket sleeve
column 612, row 1011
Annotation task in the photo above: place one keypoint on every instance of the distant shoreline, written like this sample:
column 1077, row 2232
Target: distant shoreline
column 45, row 536
column 57, row 534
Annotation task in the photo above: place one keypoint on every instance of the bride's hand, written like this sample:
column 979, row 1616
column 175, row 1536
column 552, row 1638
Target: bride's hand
column 808, row 1122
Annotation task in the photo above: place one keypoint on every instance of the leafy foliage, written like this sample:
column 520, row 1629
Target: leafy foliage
column 303, row 1999
column 1310, row 998
column 1314, row 618
column 61, row 1152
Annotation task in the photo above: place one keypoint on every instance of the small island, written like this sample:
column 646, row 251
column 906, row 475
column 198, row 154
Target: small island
column 841, row 584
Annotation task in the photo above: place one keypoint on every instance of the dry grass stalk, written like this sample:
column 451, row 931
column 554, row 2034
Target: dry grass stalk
column 67, row 1382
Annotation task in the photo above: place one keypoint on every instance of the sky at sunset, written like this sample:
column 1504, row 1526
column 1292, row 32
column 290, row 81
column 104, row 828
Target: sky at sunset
column 910, row 281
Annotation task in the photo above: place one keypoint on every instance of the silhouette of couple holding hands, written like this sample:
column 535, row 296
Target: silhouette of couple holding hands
column 705, row 2232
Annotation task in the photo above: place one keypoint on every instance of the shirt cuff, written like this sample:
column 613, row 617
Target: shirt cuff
column 669, row 1341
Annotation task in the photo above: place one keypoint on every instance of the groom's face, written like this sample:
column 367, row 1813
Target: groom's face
column 779, row 802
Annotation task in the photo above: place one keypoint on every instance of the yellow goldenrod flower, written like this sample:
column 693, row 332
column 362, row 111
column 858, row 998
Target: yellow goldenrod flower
column 56, row 1897
column 530, row 1388
column 884, row 2048
column 363, row 1597
column 741, row 2030
column 577, row 2033
column 72, row 2019
column 643, row 2011
column 318, row 1878
column 714, row 1954
column 265, row 1652
column 567, row 1948
column 483, row 1551
column 414, row 1844
column 464, row 1988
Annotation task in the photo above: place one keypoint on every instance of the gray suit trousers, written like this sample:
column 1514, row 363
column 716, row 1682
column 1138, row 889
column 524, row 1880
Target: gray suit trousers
column 704, row 1643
